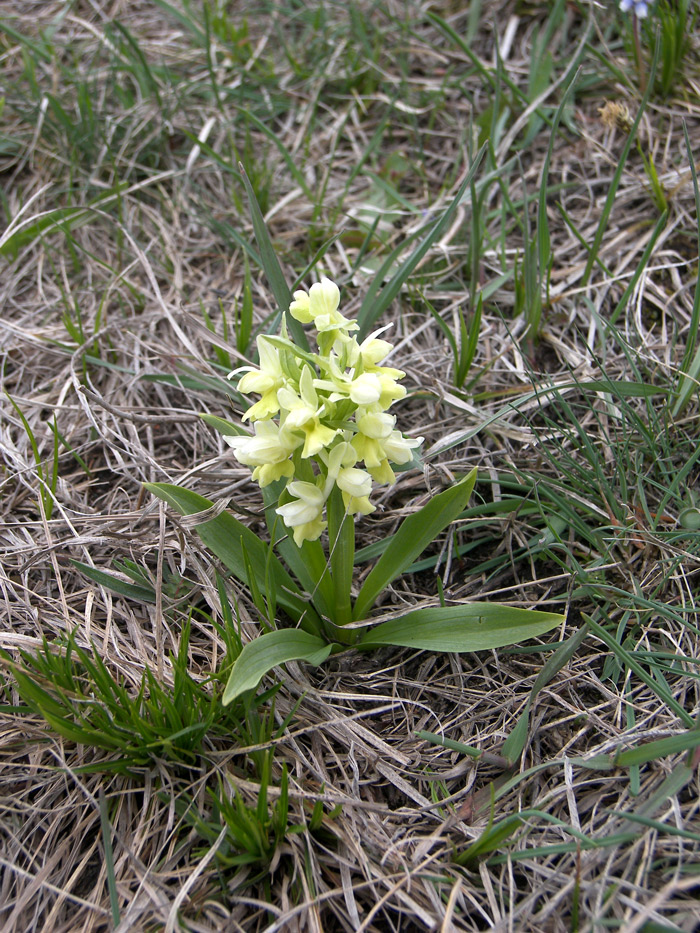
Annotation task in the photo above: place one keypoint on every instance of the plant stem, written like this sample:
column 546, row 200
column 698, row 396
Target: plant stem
column 638, row 55
column 341, row 539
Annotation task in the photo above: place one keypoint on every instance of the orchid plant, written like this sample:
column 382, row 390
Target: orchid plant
column 323, row 437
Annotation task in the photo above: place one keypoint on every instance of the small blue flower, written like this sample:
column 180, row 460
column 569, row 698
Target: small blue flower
column 639, row 8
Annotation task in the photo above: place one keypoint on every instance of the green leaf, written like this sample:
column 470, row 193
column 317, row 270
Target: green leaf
column 271, row 265
column 268, row 651
column 227, row 428
column 471, row 627
column 116, row 584
column 414, row 535
column 226, row 537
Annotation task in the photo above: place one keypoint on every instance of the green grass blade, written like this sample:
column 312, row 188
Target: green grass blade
column 484, row 72
column 274, row 137
column 626, row 658
column 641, row 266
column 544, row 250
column 141, row 593
column 46, row 489
column 372, row 308
column 617, row 389
column 271, row 265
column 468, row 342
column 617, row 176
column 689, row 380
column 109, row 859
column 659, row 748
column 513, row 746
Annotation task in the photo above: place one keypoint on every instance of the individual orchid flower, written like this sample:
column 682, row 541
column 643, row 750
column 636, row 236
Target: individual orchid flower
column 322, row 299
column 304, row 412
column 366, row 389
column 268, row 452
column 382, row 473
column 304, row 514
column 391, row 391
column 377, row 443
column 375, row 424
column 373, row 427
column 320, row 307
column 363, row 386
column 265, row 381
column 372, row 351
column 399, row 449
column 369, row 450
column 363, row 389
column 354, row 484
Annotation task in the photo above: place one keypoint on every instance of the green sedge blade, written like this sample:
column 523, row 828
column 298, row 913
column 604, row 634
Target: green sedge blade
column 271, row 265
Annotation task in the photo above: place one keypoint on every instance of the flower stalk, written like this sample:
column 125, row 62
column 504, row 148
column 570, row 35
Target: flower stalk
column 639, row 10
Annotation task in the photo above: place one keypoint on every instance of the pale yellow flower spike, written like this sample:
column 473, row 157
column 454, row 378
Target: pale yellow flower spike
column 333, row 405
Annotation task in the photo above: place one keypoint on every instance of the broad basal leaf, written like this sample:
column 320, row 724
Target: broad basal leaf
column 471, row 627
column 268, row 651
column 415, row 533
column 229, row 539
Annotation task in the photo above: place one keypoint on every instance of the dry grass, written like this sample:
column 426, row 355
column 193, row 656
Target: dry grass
column 133, row 275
